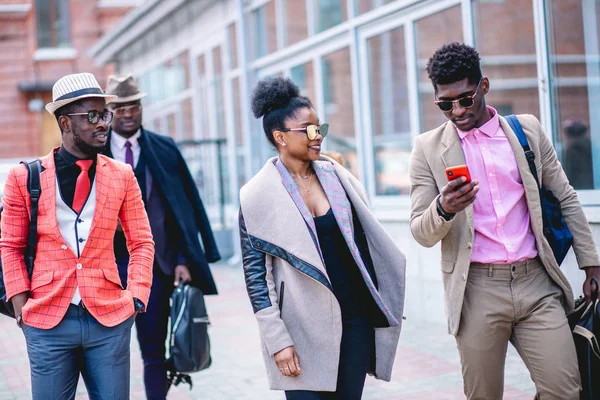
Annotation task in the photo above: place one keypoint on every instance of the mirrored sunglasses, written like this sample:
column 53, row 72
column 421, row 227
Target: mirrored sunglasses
column 94, row 116
column 464, row 102
column 311, row 130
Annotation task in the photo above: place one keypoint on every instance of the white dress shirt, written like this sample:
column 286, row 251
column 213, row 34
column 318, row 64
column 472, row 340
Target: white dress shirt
column 117, row 147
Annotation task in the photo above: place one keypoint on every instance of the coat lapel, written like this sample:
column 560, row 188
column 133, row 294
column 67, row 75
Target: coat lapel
column 453, row 155
column 102, row 186
column 278, row 220
column 48, row 185
column 340, row 205
column 342, row 210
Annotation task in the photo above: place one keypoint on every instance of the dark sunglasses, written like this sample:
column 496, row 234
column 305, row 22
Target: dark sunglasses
column 94, row 116
column 465, row 102
column 311, row 131
column 120, row 111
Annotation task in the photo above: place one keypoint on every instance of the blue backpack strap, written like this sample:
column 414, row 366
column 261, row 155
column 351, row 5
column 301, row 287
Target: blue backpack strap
column 515, row 125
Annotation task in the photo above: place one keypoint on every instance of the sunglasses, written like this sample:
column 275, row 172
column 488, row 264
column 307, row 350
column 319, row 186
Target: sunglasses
column 120, row 111
column 94, row 116
column 311, row 131
column 464, row 102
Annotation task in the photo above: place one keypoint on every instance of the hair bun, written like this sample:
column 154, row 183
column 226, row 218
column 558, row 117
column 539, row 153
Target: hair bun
column 272, row 93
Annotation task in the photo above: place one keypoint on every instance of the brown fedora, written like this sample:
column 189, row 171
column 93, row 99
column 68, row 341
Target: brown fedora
column 126, row 87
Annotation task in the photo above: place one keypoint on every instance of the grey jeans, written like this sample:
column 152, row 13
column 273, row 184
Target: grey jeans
column 79, row 344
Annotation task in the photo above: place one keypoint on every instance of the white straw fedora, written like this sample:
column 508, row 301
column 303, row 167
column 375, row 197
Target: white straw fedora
column 75, row 87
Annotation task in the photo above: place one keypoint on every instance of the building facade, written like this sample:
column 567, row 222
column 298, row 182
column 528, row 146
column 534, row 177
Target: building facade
column 362, row 62
column 41, row 41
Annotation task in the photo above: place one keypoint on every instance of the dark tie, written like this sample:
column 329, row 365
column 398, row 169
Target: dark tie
column 129, row 154
column 82, row 187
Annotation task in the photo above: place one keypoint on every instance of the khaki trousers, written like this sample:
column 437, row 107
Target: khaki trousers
column 521, row 304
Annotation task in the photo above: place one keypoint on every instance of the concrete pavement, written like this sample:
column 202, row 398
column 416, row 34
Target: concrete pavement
column 427, row 365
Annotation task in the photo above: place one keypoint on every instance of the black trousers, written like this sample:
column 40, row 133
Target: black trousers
column 152, row 333
column 356, row 356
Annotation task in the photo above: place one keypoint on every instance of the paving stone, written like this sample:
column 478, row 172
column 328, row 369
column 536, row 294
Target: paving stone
column 427, row 363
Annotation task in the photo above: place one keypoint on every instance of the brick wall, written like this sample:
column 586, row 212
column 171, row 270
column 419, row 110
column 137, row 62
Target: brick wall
column 24, row 133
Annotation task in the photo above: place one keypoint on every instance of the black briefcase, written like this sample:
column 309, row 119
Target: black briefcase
column 189, row 344
column 585, row 324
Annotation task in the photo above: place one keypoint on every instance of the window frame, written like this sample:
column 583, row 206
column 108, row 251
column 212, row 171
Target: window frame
column 63, row 6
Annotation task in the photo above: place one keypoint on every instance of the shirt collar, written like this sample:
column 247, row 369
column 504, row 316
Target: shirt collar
column 490, row 128
column 69, row 158
column 120, row 141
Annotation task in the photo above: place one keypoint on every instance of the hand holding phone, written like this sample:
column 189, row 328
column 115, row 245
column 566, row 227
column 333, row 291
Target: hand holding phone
column 458, row 171
column 459, row 193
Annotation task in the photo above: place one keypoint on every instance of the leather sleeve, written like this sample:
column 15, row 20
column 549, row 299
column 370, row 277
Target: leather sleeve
column 255, row 270
column 261, row 290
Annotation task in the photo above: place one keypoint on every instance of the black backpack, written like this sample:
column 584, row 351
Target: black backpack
column 189, row 345
column 34, row 188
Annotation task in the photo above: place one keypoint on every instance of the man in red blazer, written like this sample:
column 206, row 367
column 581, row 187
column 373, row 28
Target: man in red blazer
column 74, row 312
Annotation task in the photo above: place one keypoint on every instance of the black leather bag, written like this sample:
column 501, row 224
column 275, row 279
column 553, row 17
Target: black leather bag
column 189, row 344
column 585, row 324
column 34, row 188
column 556, row 230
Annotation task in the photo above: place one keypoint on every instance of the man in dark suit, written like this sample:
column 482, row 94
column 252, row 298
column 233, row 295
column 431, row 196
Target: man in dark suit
column 177, row 218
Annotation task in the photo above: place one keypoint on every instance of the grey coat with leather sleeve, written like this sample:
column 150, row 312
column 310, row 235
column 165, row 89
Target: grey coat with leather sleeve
column 440, row 148
column 278, row 250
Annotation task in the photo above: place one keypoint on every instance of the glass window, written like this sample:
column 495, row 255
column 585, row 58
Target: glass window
column 296, row 26
column 508, row 56
column 390, row 123
column 431, row 33
column 262, row 31
column 203, row 97
column 240, row 138
column 187, row 118
column 233, row 55
column 339, row 111
column 329, row 13
column 218, row 90
column 172, row 126
column 167, row 79
column 574, row 30
column 303, row 76
column 362, row 6
column 53, row 23
column 157, row 125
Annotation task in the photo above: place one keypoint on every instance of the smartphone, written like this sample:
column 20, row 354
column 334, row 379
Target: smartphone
column 457, row 172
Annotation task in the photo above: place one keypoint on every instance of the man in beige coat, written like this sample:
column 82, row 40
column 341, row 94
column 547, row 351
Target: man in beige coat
column 501, row 280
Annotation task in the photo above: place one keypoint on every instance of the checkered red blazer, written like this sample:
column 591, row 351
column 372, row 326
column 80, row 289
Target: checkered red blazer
column 55, row 274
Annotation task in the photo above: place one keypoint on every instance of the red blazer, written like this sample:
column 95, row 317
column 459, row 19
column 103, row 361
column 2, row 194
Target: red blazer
column 55, row 274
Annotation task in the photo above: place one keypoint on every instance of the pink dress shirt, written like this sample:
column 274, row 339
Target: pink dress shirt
column 501, row 217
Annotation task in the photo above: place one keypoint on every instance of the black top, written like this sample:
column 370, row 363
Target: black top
column 348, row 283
column 67, row 172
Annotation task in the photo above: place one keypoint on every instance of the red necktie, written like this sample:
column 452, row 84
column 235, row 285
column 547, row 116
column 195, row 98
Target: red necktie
column 82, row 187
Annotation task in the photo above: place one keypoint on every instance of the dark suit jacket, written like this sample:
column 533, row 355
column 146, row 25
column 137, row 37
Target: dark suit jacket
column 170, row 172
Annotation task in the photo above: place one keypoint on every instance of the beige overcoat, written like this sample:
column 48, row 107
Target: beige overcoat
column 310, row 318
column 440, row 148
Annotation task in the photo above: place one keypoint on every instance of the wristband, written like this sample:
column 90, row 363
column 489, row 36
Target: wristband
column 446, row 215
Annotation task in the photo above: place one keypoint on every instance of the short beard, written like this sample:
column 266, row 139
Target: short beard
column 87, row 148
column 126, row 134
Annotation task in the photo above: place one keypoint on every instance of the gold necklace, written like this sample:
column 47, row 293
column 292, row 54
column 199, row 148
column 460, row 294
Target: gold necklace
column 307, row 188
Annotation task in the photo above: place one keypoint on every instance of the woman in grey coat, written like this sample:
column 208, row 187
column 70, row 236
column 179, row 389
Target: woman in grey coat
column 326, row 282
